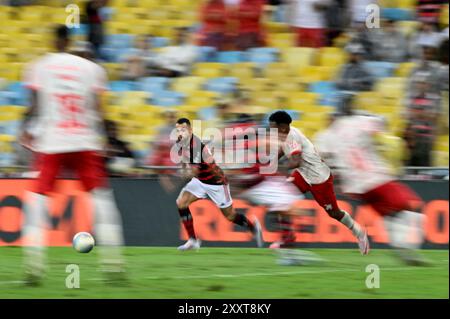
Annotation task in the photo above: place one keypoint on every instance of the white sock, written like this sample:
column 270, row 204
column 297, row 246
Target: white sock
column 36, row 221
column 401, row 226
column 108, row 226
column 351, row 224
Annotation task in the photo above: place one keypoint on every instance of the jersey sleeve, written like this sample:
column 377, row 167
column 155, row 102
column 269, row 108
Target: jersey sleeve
column 374, row 125
column 100, row 80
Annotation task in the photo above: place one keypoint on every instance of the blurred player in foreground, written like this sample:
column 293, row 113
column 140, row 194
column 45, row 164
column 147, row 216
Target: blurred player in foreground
column 64, row 115
column 364, row 175
column 208, row 181
column 311, row 174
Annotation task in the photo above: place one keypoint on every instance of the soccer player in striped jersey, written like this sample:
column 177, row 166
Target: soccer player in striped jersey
column 208, row 181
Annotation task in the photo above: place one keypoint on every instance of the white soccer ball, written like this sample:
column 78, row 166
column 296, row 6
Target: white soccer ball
column 83, row 242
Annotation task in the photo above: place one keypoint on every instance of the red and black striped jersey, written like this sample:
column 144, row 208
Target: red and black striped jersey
column 197, row 154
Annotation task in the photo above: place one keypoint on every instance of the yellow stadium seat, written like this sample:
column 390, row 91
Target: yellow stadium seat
column 293, row 85
column 202, row 98
column 440, row 159
column 281, row 40
column 406, row 4
column 331, row 56
column 256, row 84
column 408, row 27
column 242, row 71
column 276, row 27
column 404, row 69
column 297, row 57
column 315, row 73
column 392, row 87
column 365, row 100
column 133, row 98
column 209, row 69
column 113, row 70
column 266, row 99
column 444, row 17
column 298, row 99
column 188, row 84
column 277, row 71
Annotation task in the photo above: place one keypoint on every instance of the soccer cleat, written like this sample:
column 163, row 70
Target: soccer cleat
column 192, row 243
column 363, row 243
column 276, row 245
column 257, row 232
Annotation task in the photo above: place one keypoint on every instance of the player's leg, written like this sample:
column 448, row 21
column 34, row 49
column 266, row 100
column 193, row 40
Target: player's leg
column 192, row 192
column 325, row 196
column 91, row 171
column 220, row 195
column 36, row 218
column 397, row 204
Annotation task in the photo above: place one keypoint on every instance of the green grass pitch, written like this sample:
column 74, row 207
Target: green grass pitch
column 230, row 273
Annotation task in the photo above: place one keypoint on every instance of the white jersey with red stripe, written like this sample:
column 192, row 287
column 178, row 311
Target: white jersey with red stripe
column 354, row 154
column 67, row 119
column 312, row 167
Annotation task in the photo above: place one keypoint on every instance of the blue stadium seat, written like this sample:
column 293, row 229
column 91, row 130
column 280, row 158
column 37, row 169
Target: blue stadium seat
column 329, row 94
column 380, row 69
column 396, row 14
column 207, row 113
column 230, row 57
column 82, row 30
column 4, row 98
column 107, row 13
column 158, row 42
column 206, row 54
column 110, row 54
column 120, row 41
column 222, row 85
column 263, row 56
column 9, row 127
column 7, row 159
column 167, row 98
column 120, row 86
column 153, row 84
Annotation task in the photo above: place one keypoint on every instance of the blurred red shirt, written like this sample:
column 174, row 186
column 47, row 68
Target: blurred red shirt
column 213, row 17
column 249, row 15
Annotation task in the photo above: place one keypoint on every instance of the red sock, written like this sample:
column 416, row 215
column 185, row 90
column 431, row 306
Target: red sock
column 188, row 222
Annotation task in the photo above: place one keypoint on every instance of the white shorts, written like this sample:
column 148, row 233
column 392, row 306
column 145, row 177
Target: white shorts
column 274, row 192
column 219, row 194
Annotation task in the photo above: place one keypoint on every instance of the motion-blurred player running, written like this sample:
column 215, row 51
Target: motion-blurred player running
column 209, row 181
column 311, row 174
column 366, row 176
column 62, row 127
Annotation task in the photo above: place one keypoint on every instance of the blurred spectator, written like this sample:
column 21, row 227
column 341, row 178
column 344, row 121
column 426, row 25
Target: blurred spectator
column 354, row 76
column 360, row 34
column 140, row 60
column 391, row 45
column 178, row 59
column 119, row 157
column 428, row 36
column 249, row 16
column 335, row 15
column 160, row 149
column 95, row 23
column 212, row 15
column 309, row 21
column 429, row 10
column 443, row 72
column 423, row 110
column 428, row 64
